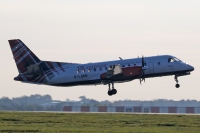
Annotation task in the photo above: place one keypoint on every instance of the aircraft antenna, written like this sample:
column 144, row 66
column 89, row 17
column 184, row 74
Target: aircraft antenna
column 120, row 58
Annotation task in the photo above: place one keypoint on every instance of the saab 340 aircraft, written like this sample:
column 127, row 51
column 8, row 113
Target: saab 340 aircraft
column 33, row 70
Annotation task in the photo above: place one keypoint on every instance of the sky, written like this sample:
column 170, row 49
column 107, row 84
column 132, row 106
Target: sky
column 102, row 30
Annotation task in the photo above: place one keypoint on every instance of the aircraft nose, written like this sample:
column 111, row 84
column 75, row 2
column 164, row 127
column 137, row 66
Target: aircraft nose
column 191, row 68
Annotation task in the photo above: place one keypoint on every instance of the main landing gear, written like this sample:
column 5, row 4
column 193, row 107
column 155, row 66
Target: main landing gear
column 176, row 79
column 113, row 91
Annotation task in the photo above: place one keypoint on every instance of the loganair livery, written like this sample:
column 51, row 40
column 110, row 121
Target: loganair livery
column 33, row 70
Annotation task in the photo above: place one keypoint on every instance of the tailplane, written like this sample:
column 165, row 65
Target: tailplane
column 31, row 69
column 27, row 63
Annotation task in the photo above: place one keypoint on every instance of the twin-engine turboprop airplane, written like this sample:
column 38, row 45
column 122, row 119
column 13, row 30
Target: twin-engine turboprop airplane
column 33, row 70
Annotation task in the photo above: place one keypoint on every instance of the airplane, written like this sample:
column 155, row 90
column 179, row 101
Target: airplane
column 33, row 70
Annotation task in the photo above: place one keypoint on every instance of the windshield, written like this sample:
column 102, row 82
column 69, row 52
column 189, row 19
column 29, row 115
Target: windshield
column 173, row 59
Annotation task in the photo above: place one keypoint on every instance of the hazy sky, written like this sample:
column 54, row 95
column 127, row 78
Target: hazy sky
column 102, row 30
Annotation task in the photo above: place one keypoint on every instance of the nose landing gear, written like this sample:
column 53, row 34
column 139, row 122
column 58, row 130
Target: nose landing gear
column 176, row 79
column 113, row 91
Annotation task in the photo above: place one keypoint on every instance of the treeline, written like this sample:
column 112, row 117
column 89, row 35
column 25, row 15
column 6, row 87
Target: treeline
column 157, row 102
column 45, row 103
column 29, row 103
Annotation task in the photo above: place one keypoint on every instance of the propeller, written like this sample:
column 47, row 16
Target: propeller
column 142, row 77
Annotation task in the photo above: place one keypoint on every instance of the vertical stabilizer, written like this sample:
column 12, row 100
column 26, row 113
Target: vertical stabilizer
column 23, row 56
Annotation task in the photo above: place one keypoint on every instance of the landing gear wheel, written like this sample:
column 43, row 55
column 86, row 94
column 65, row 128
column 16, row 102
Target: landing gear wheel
column 177, row 85
column 114, row 91
column 110, row 93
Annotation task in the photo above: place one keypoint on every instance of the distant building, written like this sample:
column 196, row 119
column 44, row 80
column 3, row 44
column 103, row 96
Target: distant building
column 51, row 104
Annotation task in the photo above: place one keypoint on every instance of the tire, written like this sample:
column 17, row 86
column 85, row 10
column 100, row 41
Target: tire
column 114, row 91
column 177, row 85
column 110, row 93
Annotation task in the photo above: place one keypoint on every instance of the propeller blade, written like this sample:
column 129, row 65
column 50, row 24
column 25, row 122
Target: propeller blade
column 142, row 61
column 143, row 70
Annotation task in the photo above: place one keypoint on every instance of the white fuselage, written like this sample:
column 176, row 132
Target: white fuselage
column 85, row 74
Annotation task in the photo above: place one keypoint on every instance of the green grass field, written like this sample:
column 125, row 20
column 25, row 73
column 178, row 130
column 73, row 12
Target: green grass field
column 85, row 122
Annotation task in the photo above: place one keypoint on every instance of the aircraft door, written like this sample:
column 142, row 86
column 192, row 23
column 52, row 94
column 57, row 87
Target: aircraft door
column 151, row 67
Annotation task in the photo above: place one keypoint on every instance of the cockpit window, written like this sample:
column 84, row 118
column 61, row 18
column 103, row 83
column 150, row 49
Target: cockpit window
column 170, row 60
column 173, row 59
column 176, row 59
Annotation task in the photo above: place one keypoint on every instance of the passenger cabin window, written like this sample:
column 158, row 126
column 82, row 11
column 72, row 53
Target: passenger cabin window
column 158, row 63
column 95, row 69
column 123, row 66
column 100, row 69
column 77, row 71
column 106, row 68
column 129, row 65
column 83, row 71
column 112, row 67
column 88, row 70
